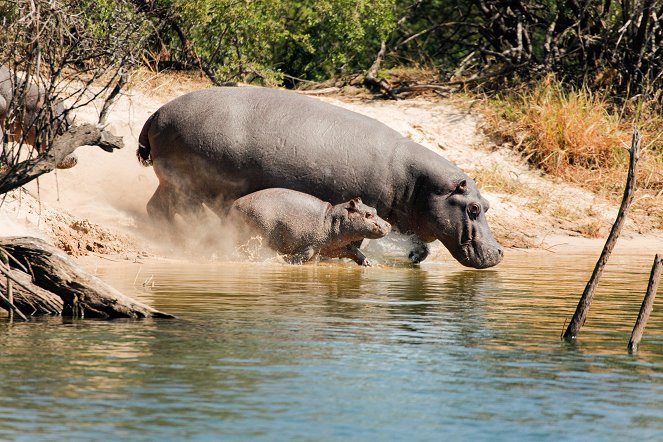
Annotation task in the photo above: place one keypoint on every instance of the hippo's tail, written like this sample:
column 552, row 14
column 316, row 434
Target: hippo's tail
column 143, row 151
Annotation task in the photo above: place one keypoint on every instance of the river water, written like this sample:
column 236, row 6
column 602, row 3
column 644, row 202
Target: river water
column 335, row 352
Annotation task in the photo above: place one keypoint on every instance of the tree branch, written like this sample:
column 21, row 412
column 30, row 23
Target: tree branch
column 85, row 135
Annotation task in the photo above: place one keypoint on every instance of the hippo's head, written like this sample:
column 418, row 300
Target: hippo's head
column 453, row 211
column 362, row 221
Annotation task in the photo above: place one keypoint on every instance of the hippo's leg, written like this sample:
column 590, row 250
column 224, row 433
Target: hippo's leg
column 419, row 252
column 161, row 207
column 300, row 257
column 167, row 201
column 190, row 209
column 351, row 251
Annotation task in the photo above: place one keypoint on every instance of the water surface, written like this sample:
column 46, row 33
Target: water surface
column 334, row 352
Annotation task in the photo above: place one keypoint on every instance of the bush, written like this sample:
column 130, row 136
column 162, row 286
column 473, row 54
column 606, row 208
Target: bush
column 265, row 40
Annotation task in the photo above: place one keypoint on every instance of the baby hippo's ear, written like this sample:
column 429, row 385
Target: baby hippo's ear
column 353, row 205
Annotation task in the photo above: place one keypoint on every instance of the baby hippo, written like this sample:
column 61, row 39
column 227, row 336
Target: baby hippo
column 302, row 226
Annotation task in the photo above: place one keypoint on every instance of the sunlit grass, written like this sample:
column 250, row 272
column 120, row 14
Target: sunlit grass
column 583, row 137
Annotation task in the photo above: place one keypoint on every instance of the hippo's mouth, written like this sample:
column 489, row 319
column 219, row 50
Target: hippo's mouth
column 479, row 254
column 477, row 249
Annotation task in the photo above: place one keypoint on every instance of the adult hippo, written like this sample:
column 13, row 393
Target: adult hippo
column 26, row 108
column 216, row 145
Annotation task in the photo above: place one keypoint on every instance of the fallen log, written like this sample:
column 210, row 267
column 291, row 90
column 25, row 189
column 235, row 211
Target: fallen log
column 30, row 299
column 82, row 295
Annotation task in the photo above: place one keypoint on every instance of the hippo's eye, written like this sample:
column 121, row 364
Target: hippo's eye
column 370, row 215
column 474, row 210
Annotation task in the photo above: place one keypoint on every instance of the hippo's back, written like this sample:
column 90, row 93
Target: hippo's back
column 238, row 140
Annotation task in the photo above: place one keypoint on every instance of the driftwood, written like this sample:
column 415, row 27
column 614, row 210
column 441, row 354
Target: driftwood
column 327, row 90
column 371, row 79
column 84, row 135
column 580, row 314
column 647, row 305
column 81, row 294
column 30, row 299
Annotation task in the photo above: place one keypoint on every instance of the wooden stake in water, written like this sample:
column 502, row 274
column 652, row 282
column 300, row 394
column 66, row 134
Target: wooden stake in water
column 10, row 291
column 647, row 305
column 580, row 315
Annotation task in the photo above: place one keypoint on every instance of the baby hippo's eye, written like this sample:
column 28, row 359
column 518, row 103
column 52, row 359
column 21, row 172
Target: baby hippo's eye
column 370, row 215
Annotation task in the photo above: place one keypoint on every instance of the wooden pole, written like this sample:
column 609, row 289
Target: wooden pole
column 10, row 294
column 647, row 305
column 8, row 301
column 580, row 314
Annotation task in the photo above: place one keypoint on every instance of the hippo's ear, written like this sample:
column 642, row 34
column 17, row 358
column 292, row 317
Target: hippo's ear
column 353, row 205
column 355, row 202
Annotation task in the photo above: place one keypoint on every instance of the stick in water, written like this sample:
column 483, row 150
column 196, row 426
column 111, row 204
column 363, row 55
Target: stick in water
column 580, row 314
column 647, row 305
column 10, row 293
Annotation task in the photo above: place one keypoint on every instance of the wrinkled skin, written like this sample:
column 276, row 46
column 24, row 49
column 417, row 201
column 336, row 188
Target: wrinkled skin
column 34, row 101
column 217, row 145
column 302, row 226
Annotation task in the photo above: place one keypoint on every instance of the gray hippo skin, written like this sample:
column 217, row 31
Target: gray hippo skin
column 302, row 226
column 216, row 145
column 33, row 99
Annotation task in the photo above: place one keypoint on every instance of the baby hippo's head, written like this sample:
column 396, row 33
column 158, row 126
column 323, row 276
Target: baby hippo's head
column 362, row 221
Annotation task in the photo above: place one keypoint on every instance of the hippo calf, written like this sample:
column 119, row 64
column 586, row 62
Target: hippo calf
column 28, row 111
column 216, row 145
column 302, row 226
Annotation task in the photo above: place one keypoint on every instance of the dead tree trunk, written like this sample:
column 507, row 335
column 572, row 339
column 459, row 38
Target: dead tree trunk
column 580, row 314
column 30, row 299
column 371, row 79
column 81, row 294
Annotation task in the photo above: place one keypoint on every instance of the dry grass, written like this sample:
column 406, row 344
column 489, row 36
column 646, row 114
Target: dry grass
column 496, row 180
column 579, row 136
column 167, row 84
column 560, row 131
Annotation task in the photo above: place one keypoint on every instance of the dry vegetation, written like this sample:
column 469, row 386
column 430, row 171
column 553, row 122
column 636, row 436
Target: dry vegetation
column 581, row 137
